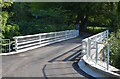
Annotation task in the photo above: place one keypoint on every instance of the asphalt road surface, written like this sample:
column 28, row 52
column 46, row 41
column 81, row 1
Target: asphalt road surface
column 56, row 60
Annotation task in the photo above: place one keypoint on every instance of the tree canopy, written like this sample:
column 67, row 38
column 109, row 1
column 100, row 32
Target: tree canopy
column 22, row 18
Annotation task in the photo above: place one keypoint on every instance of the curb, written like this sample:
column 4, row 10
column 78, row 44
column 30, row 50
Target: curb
column 95, row 71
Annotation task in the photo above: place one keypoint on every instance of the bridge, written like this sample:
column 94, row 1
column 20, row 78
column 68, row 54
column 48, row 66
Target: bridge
column 58, row 54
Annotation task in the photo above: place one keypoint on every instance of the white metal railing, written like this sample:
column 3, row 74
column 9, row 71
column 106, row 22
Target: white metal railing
column 94, row 44
column 23, row 43
column 5, row 45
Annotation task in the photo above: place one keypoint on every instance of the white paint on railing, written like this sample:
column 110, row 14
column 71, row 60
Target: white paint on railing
column 94, row 42
column 108, row 57
column 28, row 42
column 96, row 52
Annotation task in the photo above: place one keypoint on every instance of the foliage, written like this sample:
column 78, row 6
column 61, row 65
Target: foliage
column 11, row 31
column 95, row 29
column 46, row 17
column 8, row 29
column 39, row 17
column 115, row 49
column 118, row 34
column 94, row 14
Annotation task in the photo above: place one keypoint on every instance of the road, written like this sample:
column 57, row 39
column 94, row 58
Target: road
column 56, row 60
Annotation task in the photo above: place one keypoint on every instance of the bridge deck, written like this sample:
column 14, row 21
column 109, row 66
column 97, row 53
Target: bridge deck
column 56, row 60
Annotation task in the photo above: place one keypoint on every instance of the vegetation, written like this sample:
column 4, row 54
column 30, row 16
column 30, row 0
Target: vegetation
column 115, row 49
column 95, row 29
column 30, row 18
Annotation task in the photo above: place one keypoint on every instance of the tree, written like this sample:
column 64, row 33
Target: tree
column 39, row 17
column 47, row 17
column 4, row 16
column 88, row 13
column 9, row 29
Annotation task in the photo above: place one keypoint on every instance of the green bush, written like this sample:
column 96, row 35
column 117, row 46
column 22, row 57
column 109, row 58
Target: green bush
column 115, row 49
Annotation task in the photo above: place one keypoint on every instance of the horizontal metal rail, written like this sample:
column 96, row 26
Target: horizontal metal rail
column 42, row 39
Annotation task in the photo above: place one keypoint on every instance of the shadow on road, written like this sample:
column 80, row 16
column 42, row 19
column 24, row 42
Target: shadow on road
column 73, row 55
column 69, row 55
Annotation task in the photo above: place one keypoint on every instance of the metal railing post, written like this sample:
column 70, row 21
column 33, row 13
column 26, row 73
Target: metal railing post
column 108, row 57
column 75, row 33
column 16, row 45
column 101, row 38
column 107, row 35
column 9, row 45
column 55, row 37
column 40, row 39
column 66, row 34
column 72, row 33
column 89, row 47
column 84, row 47
column 96, row 52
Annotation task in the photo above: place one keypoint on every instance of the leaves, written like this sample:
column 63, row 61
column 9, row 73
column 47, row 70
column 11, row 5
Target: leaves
column 39, row 17
column 115, row 49
column 8, row 30
column 46, row 17
column 11, row 30
column 6, row 4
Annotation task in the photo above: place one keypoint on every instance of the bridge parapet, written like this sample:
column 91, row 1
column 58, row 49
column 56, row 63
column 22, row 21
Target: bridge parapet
column 95, row 42
column 91, row 62
column 29, row 42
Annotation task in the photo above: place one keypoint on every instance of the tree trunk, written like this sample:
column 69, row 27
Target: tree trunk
column 77, row 22
column 83, row 24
